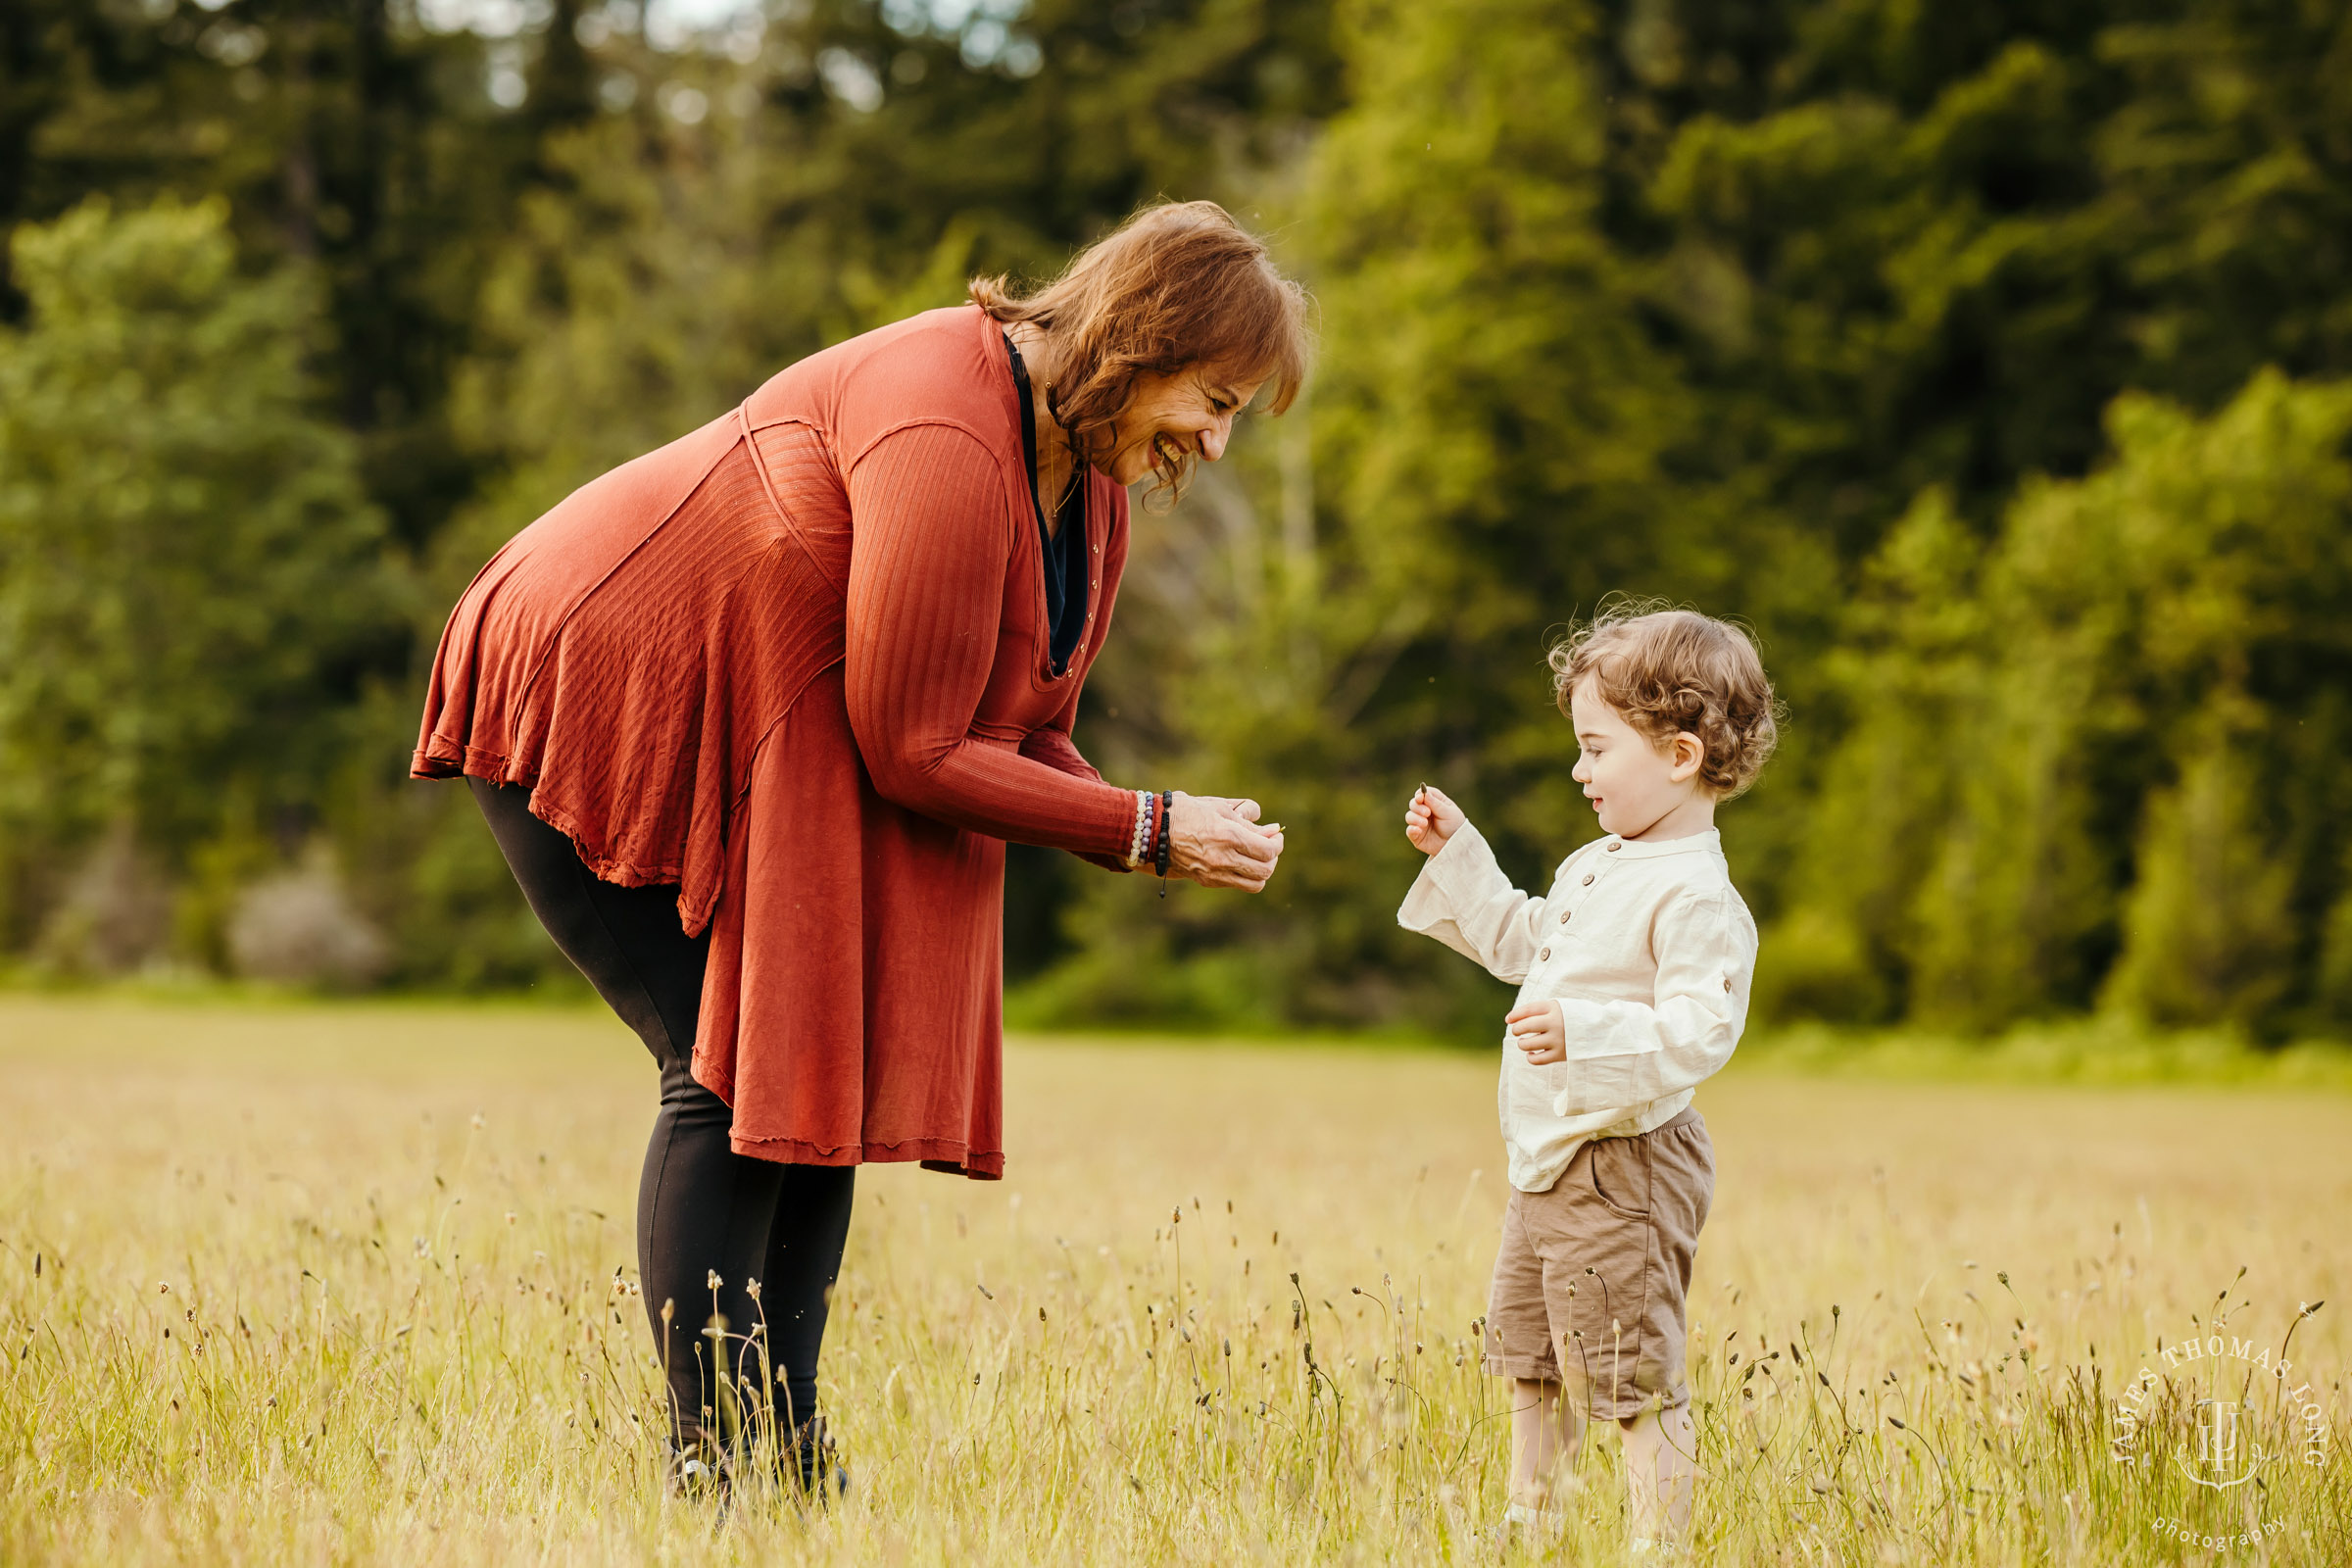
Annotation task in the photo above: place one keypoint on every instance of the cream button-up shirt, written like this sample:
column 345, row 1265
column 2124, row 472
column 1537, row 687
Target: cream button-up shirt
column 1649, row 952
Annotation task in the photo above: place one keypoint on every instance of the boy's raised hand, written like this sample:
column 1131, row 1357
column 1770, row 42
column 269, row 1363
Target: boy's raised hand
column 1429, row 819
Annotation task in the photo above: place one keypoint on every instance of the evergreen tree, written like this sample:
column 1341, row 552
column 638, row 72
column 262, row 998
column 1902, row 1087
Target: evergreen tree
column 2122, row 777
column 190, row 577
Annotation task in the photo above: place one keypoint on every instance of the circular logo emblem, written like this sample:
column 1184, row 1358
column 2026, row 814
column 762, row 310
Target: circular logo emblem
column 2227, row 1408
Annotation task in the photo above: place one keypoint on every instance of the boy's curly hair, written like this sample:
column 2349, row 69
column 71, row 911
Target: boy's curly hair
column 1668, row 670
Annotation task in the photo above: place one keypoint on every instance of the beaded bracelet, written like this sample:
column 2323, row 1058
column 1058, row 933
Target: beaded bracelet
column 1139, row 839
column 1160, row 844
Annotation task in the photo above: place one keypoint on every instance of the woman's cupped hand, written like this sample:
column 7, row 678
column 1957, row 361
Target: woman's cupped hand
column 1219, row 841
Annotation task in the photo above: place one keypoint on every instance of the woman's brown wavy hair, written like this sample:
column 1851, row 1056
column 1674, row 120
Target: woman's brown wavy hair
column 1177, row 285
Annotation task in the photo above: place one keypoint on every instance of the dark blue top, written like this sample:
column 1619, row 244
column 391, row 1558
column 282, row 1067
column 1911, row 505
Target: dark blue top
column 1063, row 543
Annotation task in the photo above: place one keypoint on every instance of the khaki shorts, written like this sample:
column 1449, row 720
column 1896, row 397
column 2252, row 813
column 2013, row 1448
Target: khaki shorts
column 1590, row 1278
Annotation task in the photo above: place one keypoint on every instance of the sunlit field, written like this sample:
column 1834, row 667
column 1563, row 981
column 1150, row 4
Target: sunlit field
column 311, row 1284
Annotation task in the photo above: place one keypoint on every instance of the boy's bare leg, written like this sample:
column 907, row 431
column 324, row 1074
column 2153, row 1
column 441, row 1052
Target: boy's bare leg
column 1661, row 1469
column 1546, row 1433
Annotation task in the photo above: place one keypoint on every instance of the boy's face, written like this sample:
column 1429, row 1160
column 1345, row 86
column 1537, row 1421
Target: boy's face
column 1632, row 782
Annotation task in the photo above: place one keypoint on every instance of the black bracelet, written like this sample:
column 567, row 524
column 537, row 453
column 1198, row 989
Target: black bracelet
column 1160, row 840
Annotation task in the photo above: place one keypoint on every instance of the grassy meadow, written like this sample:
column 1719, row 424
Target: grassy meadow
column 307, row 1283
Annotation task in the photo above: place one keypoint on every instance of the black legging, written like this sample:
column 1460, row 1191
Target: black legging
column 702, row 1209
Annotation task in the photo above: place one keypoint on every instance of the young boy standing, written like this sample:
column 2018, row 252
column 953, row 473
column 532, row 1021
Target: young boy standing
column 1632, row 980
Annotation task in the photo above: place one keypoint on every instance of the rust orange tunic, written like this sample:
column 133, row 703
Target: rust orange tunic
column 796, row 663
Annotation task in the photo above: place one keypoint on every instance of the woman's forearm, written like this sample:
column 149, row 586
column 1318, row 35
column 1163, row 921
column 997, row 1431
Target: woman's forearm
column 990, row 789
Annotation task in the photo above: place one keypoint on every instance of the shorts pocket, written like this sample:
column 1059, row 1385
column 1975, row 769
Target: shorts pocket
column 1619, row 1169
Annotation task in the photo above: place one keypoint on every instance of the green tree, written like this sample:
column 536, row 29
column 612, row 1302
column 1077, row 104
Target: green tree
column 191, row 575
column 2111, row 740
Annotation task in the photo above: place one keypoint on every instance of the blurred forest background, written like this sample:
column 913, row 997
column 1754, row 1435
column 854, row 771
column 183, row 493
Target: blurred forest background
column 1991, row 360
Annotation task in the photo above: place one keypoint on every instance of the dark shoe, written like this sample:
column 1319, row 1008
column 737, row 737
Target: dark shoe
column 816, row 1465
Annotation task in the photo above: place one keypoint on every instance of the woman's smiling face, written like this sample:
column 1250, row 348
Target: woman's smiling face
column 1188, row 412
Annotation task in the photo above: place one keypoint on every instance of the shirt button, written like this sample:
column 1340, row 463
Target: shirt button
column 1587, row 879
column 1614, row 846
column 1726, row 982
column 1546, row 953
column 1563, row 917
